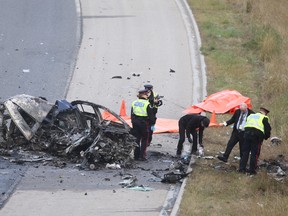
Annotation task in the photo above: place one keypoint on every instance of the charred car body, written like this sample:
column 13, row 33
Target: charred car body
column 75, row 130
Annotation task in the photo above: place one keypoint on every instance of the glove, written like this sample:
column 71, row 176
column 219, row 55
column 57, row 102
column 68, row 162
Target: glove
column 201, row 150
column 223, row 124
column 190, row 140
column 153, row 128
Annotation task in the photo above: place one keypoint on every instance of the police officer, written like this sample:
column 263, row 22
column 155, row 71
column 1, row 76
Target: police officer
column 191, row 124
column 155, row 102
column 237, row 135
column 257, row 128
column 142, row 117
column 154, row 98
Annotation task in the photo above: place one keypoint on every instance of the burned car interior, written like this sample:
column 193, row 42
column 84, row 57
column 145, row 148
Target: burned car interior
column 76, row 131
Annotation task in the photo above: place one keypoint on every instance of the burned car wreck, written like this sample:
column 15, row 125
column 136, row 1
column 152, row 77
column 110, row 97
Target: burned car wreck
column 76, row 131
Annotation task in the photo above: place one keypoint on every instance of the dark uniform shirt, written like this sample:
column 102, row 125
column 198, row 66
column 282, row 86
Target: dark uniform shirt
column 192, row 122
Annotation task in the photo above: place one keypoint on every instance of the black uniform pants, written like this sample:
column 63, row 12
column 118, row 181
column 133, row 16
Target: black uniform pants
column 252, row 143
column 236, row 137
column 181, row 137
column 142, row 132
column 151, row 132
column 150, row 135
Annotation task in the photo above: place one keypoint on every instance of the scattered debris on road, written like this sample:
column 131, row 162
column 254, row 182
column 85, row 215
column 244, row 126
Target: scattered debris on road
column 173, row 178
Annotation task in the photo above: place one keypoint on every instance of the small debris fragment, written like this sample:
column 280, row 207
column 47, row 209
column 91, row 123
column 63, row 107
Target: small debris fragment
column 276, row 140
column 201, row 151
column 113, row 166
column 26, row 70
column 116, row 77
column 280, row 172
column 128, row 181
column 141, row 188
column 172, row 71
column 208, row 157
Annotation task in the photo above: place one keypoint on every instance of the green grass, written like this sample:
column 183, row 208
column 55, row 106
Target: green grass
column 265, row 41
column 245, row 47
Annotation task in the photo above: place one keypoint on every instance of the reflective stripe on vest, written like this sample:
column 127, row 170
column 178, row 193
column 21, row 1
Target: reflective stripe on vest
column 140, row 107
column 256, row 121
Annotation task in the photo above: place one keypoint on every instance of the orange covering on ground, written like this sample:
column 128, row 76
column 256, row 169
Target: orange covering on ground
column 226, row 101
column 162, row 125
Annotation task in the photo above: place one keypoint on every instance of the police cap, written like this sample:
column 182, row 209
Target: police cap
column 148, row 86
column 143, row 91
column 264, row 110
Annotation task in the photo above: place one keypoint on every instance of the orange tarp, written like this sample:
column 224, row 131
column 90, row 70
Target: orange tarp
column 166, row 126
column 162, row 125
column 226, row 101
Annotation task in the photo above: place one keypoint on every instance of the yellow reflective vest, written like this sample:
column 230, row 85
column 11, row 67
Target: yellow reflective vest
column 256, row 121
column 139, row 107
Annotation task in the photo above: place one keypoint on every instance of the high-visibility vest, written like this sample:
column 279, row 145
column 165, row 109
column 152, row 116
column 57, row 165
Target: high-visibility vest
column 256, row 121
column 140, row 107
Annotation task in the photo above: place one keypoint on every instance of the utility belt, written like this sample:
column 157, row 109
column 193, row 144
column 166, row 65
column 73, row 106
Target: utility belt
column 140, row 117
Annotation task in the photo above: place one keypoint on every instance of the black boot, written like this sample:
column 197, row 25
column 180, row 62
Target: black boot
column 222, row 158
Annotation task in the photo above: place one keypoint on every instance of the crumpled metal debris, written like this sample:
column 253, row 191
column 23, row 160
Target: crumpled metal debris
column 277, row 168
column 201, row 151
column 174, row 177
column 128, row 181
column 113, row 166
column 208, row 157
column 141, row 188
column 75, row 130
column 276, row 140
column 178, row 165
column 280, row 172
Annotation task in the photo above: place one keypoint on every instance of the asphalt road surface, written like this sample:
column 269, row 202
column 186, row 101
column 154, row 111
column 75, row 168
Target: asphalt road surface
column 39, row 43
column 38, row 47
column 139, row 42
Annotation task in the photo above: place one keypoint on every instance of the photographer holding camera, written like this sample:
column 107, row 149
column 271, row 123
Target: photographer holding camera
column 155, row 101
